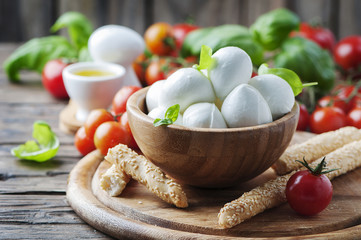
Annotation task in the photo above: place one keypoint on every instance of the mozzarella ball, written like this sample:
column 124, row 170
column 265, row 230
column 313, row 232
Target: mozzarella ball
column 159, row 112
column 244, row 107
column 277, row 93
column 203, row 115
column 233, row 67
column 152, row 97
column 186, row 86
column 115, row 43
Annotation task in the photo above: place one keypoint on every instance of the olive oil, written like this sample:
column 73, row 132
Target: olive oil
column 94, row 73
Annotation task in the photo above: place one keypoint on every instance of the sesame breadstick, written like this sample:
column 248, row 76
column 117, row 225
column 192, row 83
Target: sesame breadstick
column 272, row 193
column 114, row 180
column 145, row 172
column 315, row 148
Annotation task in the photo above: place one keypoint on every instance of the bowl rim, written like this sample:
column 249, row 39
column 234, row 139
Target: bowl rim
column 136, row 98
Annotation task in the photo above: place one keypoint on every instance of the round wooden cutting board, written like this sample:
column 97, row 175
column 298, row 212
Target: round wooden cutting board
column 139, row 214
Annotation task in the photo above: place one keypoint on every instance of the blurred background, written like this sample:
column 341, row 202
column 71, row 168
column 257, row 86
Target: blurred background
column 21, row 20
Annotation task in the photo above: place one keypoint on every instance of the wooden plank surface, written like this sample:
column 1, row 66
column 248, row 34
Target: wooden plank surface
column 32, row 195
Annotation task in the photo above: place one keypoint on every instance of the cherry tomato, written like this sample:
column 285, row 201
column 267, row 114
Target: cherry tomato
column 159, row 38
column 327, row 119
column 304, row 119
column 322, row 36
column 155, row 72
column 108, row 135
column 334, row 101
column 308, row 194
column 181, row 31
column 139, row 66
column 349, row 95
column 354, row 102
column 354, row 117
column 95, row 118
column 347, row 52
column 124, row 123
column 83, row 142
column 119, row 104
column 52, row 78
column 343, row 91
column 160, row 69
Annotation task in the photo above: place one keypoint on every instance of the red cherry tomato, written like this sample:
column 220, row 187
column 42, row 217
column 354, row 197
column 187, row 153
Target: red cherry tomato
column 95, row 118
column 354, row 117
column 108, row 135
column 181, row 31
column 124, row 123
column 119, row 104
column 52, row 78
column 347, row 52
column 139, row 66
column 334, row 101
column 304, row 119
column 354, row 102
column 159, row 38
column 327, row 119
column 83, row 142
column 343, row 91
column 348, row 94
column 160, row 69
column 322, row 36
column 308, row 194
column 155, row 72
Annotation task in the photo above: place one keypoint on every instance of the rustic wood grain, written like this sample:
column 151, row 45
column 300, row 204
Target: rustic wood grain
column 137, row 209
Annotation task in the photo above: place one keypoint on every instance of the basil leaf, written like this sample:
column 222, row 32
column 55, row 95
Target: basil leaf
column 170, row 116
column 309, row 61
column 222, row 36
column 172, row 112
column 159, row 122
column 45, row 148
column 272, row 28
column 206, row 61
column 79, row 28
column 34, row 54
column 288, row 75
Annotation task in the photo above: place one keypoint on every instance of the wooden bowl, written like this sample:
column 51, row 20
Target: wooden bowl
column 205, row 157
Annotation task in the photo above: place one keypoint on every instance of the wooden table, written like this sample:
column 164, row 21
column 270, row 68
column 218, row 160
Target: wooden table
column 32, row 195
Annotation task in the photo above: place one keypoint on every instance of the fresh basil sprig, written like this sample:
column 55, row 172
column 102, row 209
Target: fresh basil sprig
column 222, row 36
column 309, row 61
column 272, row 28
column 170, row 116
column 205, row 59
column 288, row 75
column 45, row 148
column 35, row 53
column 79, row 28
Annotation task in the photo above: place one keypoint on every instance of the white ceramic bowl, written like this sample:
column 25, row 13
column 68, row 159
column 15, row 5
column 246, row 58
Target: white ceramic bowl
column 91, row 92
